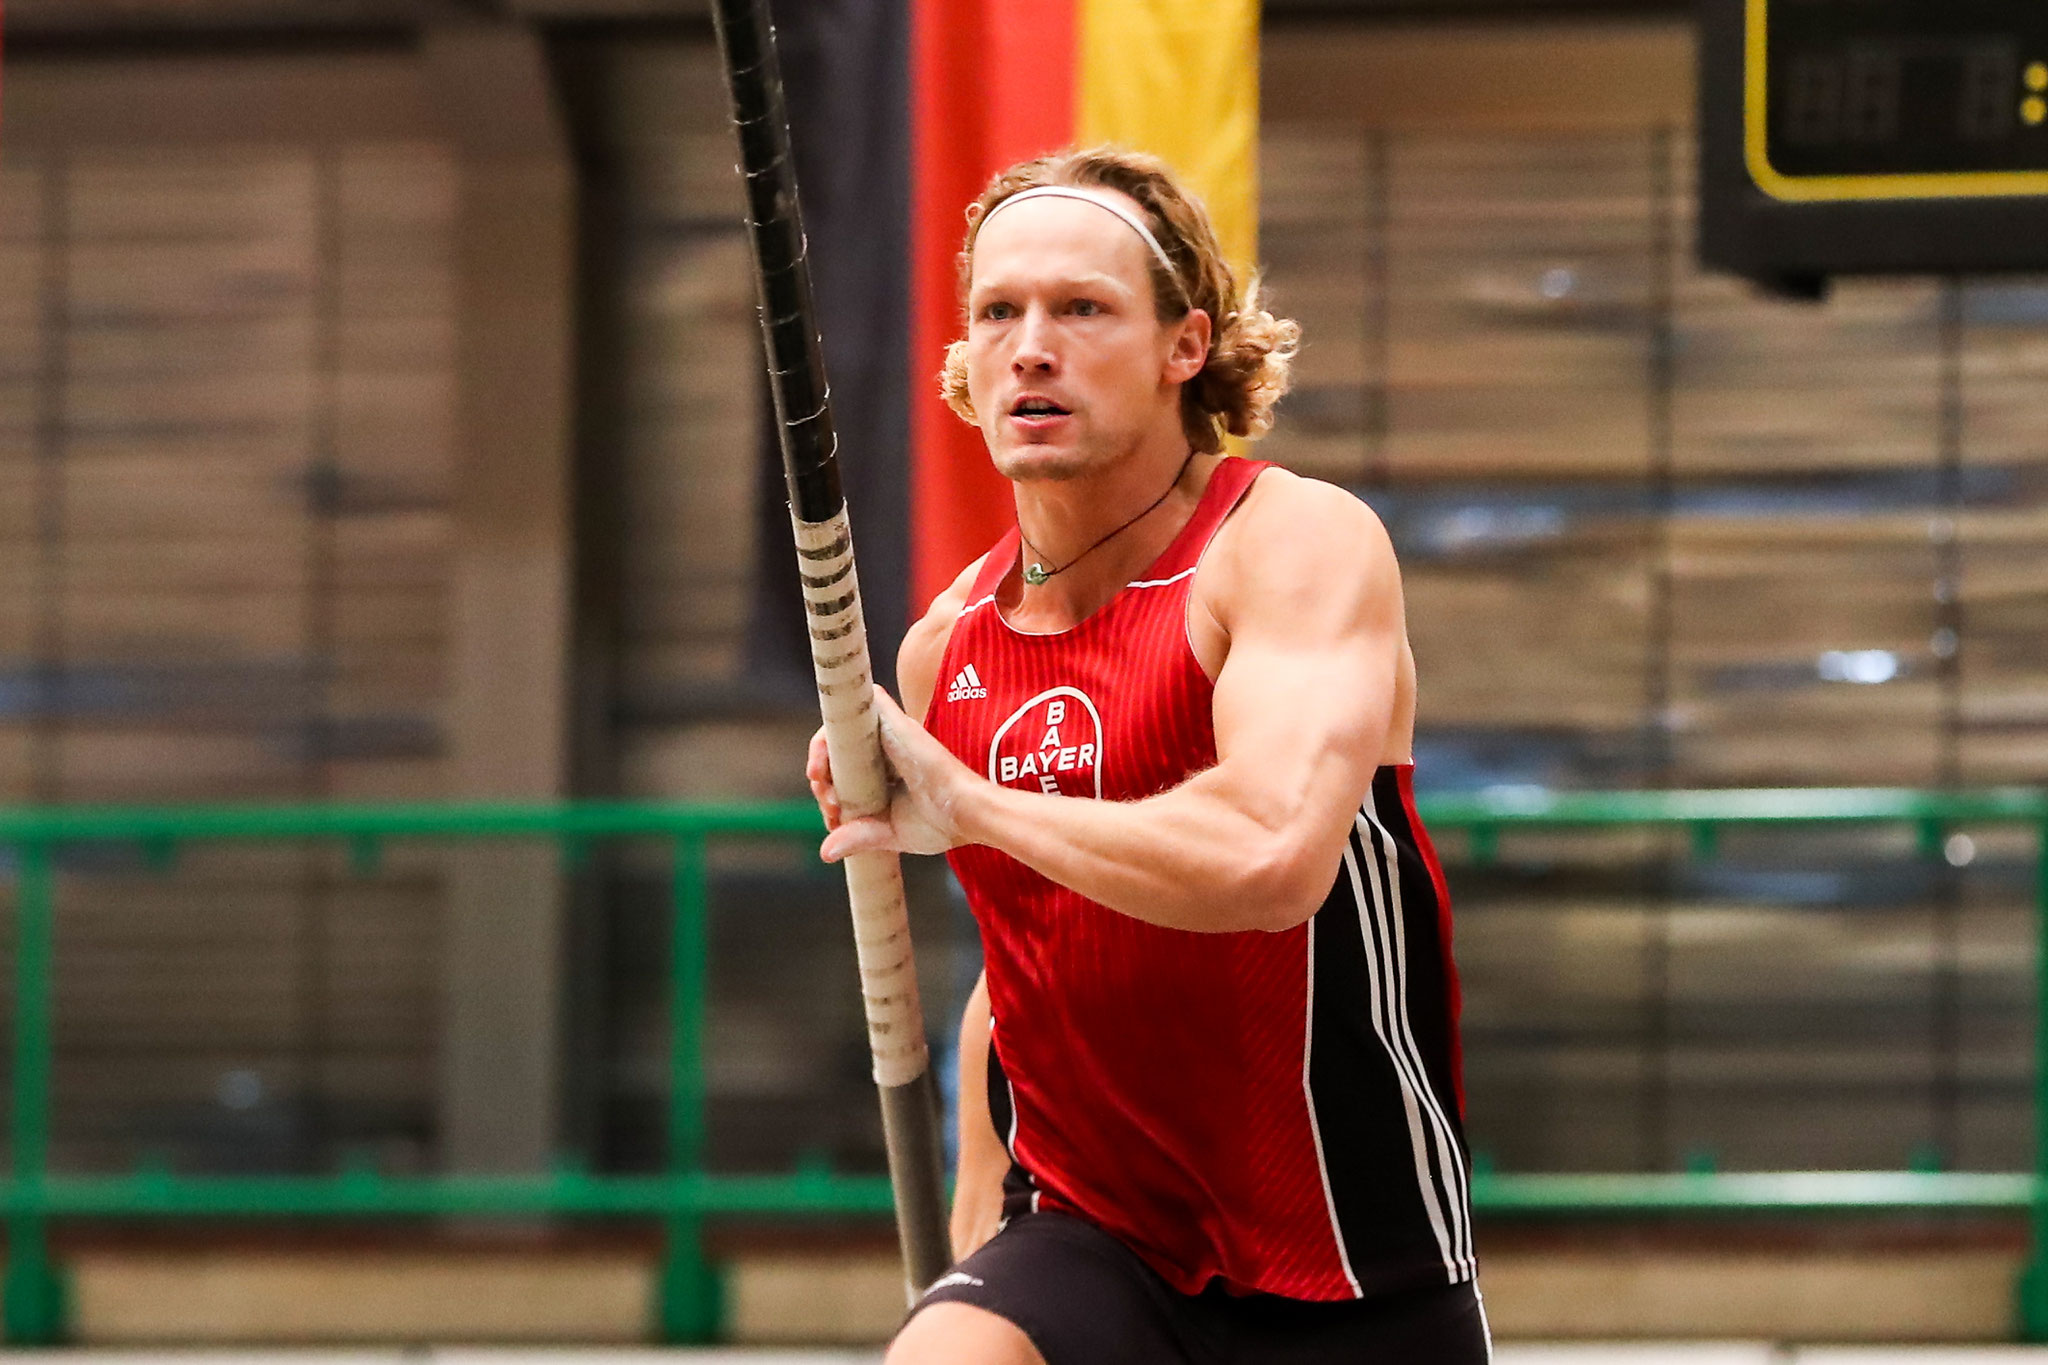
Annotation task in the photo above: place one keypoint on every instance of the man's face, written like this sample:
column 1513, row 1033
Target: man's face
column 1068, row 367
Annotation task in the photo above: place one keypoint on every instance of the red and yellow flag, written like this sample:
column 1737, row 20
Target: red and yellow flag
column 996, row 81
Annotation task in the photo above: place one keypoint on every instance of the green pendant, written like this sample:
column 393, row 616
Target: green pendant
column 1034, row 574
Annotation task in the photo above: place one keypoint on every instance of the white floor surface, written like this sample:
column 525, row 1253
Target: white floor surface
column 1603, row 1353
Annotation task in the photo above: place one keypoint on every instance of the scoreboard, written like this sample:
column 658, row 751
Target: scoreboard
column 1873, row 136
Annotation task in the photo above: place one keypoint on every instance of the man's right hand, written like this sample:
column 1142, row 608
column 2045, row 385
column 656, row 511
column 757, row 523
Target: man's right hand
column 818, row 768
column 926, row 786
column 918, row 662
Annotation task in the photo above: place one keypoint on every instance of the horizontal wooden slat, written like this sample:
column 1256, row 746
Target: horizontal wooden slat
column 229, row 318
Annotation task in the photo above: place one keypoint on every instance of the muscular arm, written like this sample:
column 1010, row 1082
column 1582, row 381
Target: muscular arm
column 978, row 1184
column 978, row 1178
column 1305, row 586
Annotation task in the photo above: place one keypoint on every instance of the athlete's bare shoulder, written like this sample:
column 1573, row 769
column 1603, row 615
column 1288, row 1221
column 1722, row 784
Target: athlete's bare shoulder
column 924, row 644
column 1293, row 536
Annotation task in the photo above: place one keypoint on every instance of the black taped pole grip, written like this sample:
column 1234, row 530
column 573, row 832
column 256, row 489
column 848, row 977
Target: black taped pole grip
column 789, row 330
column 839, row 651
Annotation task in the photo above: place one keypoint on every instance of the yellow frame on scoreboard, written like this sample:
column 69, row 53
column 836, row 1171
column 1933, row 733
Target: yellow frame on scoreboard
column 1809, row 188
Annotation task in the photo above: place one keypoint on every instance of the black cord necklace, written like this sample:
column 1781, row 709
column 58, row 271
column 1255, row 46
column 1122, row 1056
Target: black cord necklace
column 1036, row 573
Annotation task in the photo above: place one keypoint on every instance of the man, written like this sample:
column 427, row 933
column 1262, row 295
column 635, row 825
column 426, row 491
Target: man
column 1166, row 739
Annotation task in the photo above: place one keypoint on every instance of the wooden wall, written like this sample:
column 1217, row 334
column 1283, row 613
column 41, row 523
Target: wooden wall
column 227, row 376
column 1654, row 527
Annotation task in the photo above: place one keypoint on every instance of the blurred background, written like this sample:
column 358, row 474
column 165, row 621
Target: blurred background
column 380, row 422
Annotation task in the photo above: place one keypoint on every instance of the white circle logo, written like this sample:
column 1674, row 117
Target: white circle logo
column 1050, row 744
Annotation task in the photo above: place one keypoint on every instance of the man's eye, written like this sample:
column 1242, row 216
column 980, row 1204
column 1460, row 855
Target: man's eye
column 997, row 312
column 1086, row 308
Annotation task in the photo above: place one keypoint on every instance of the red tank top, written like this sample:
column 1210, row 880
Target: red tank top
column 1274, row 1111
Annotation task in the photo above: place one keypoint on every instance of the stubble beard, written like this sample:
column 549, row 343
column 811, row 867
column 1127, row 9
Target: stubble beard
column 1034, row 462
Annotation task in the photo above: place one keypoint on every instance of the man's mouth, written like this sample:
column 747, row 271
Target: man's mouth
column 1037, row 407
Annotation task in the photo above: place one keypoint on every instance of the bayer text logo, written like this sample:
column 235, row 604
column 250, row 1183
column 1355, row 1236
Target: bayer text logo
column 1052, row 743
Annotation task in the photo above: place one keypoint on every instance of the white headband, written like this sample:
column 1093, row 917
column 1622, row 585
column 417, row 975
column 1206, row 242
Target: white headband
column 1102, row 199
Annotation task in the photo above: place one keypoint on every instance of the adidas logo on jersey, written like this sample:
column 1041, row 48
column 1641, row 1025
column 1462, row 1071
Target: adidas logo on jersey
column 966, row 686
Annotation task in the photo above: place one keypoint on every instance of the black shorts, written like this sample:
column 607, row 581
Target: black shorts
column 1084, row 1298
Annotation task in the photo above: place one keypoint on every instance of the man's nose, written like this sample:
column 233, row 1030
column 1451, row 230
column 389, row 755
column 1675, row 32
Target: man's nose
column 1034, row 351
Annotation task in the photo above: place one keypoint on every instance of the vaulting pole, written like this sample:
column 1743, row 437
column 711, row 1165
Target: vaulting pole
column 839, row 643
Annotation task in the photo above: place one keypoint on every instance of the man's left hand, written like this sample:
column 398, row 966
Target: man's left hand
column 926, row 787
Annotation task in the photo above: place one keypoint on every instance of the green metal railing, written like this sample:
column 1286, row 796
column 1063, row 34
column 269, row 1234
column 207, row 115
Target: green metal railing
column 32, row 1306
column 32, row 1300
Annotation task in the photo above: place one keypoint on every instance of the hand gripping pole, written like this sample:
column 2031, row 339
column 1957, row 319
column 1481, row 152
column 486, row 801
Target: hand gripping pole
column 839, row 645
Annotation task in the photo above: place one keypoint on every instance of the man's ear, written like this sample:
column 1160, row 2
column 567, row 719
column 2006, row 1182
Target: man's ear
column 1190, row 347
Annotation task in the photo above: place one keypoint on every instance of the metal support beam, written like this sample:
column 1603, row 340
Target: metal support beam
column 500, row 1072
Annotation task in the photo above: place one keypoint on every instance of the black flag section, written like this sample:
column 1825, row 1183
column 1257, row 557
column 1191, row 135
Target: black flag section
column 845, row 64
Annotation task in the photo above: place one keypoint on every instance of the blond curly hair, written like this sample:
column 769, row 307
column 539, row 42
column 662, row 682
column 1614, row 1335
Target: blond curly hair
column 1250, row 351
